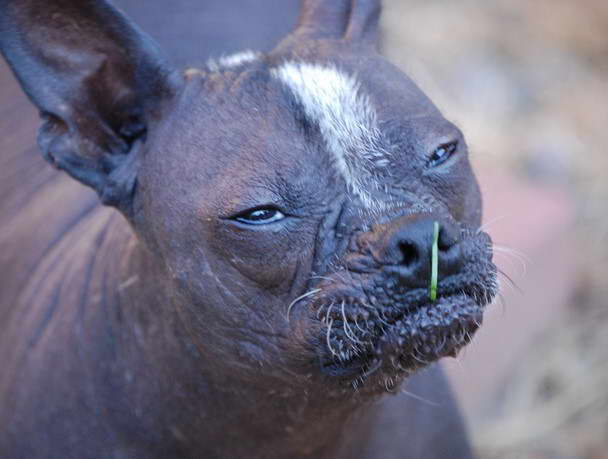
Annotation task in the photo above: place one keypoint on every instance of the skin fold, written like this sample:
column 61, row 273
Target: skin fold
column 245, row 273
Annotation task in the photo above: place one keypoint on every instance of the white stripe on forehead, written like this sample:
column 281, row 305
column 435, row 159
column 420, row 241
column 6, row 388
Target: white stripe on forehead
column 346, row 118
column 231, row 61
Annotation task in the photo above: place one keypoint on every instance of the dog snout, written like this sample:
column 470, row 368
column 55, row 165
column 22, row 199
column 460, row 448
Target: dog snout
column 404, row 248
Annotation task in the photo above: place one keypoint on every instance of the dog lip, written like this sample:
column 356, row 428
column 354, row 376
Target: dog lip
column 433, row 329
column 464, row 311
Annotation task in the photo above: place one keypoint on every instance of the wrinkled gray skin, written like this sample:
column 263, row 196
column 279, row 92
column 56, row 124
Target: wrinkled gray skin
column 164, row 327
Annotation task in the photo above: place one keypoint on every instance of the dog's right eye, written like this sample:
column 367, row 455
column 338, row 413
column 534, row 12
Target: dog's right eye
column 260, row 216
column 443, row 153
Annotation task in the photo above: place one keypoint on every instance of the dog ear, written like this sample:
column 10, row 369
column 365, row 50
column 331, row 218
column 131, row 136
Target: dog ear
column 97, row 81
column 355, row 20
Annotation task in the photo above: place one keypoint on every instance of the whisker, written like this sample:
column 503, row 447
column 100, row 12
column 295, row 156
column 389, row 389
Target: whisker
column 521, row 258
column 330, row 307
column 503, row 303
column 487, row 224
column 319, row 311
column 514, row 252
column 389, row 384
column 334, row 353
column 417, row 397
column 301, row 297
column 510, row 281
column 371, row 370
column 347, row 330
column 418, row 358
column 359, row 327
column 444, row 339
column 381, row 316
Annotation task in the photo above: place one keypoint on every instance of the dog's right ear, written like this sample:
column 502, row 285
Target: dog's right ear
column 97, row 81
column 353, row 20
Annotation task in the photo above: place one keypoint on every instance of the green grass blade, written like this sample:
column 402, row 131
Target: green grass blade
column 434, row 263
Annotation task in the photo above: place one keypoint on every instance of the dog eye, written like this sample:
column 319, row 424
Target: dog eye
column 260, row 216
column 443, row 153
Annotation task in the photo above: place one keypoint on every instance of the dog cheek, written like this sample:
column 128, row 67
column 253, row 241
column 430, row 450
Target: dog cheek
column 460, row 194
column 267, row 273
column 271, row 262
column 473, row 204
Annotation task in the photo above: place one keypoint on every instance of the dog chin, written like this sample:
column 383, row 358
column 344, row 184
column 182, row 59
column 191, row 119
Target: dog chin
column 385, row 344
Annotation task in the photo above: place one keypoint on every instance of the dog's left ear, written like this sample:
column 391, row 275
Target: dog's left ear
column 354, row 20
column 97, row 81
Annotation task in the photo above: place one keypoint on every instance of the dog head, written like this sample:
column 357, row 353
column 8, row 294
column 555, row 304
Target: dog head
column 303, row 205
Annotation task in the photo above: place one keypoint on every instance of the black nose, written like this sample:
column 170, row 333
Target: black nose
column 405, row 247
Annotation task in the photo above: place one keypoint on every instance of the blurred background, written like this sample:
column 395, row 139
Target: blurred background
column 527, row 81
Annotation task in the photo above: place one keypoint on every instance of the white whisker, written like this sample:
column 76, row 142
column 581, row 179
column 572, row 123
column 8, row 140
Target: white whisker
column 301, row 297
column 417, row 397
column 334, row 353
column 489, row 223
column 347, row 330
column 514, row 254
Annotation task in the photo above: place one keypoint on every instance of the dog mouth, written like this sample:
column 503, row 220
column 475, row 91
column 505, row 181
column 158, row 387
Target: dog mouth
column 393, row 334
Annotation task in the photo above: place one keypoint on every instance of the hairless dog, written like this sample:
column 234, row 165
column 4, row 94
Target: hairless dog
column 290, row 237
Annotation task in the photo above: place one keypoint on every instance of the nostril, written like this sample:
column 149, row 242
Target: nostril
column 446, row 241
column 410, row 254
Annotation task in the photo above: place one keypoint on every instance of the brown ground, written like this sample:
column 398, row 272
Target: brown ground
column 527, row 80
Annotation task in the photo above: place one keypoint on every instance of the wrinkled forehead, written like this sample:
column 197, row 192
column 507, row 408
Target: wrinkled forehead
column 302, row 117
column 366, row 112
column 236, row 128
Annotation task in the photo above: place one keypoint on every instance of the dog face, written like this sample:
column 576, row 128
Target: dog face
column 319, row 177
column 290, row 199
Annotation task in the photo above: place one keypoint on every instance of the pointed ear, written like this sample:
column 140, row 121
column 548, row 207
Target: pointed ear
column 97, row 81
column 355, row 20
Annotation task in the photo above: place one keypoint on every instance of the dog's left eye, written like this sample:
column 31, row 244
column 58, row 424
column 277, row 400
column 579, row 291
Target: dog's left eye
column 443, row 153
column 260, row 216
